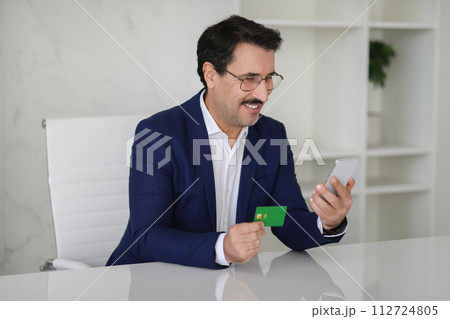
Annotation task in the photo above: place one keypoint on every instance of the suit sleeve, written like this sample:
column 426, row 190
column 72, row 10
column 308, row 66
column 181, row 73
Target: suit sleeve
column 153, row 202
column 300, row 230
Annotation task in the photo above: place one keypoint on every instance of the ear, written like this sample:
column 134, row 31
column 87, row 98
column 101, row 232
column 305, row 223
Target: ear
column 210, row 74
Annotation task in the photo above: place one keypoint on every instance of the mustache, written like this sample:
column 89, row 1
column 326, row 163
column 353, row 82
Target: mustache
column 254, row 101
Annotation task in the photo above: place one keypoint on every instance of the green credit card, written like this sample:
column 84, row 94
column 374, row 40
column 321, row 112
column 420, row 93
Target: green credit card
column 271, row 215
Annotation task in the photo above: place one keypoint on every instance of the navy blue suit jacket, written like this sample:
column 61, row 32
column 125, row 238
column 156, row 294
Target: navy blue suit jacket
column 173, row 206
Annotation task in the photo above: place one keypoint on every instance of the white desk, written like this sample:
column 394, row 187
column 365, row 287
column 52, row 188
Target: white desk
column 414, row 269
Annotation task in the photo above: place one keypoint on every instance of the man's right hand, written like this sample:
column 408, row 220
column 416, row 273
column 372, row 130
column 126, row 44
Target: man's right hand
column 241, row 243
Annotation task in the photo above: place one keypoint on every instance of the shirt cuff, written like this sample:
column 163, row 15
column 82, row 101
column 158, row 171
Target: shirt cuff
column 220, row 254
column 320, row 226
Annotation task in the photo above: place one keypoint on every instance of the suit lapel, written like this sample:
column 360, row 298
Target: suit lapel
column 197, row 132
column 246, row 183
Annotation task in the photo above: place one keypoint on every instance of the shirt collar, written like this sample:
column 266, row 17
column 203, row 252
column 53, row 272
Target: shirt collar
column 211, row 125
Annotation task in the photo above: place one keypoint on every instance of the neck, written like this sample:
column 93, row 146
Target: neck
column 231, row 131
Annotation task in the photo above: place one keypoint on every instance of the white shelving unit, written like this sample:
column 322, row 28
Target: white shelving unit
column 326, row 96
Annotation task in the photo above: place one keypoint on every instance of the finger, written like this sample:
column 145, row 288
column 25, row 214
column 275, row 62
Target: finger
column 255, row 226
column 318, row 210
column 252, row 253
column 320, row 206
column 351, row 183
column 247, row 228
column 325, row 208
column 345, row 195
column 325, row 218
column 253, row 244
column 323, row 191
column 341, row 190
column 260, row 233
column 250, row 237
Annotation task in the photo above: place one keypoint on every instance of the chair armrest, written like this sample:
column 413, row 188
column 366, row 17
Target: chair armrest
column 68, row 264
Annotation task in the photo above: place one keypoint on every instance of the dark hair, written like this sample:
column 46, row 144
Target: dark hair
column 216, row 44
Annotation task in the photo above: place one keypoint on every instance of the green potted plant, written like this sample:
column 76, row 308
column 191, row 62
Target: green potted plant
column 380, row 55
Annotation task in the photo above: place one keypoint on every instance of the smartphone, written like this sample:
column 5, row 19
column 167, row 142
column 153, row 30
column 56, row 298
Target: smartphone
column 343, row 169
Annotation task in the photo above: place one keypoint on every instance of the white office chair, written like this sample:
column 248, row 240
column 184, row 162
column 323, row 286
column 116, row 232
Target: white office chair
column 88, row 180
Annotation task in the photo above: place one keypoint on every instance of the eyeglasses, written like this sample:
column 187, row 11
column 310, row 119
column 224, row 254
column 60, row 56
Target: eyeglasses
column 249, row 82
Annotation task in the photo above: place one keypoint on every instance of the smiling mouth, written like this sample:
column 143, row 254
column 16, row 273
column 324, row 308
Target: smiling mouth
column 253, row 105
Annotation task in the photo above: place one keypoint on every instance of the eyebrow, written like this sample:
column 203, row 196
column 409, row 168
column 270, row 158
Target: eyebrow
column 255, row 74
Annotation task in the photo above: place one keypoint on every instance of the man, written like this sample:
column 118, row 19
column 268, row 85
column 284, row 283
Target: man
column 197, row 208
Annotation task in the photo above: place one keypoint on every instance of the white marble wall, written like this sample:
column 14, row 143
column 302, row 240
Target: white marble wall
column 57, row 62
column 2, row 189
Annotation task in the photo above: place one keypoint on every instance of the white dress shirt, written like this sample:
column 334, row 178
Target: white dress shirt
column 227, row 164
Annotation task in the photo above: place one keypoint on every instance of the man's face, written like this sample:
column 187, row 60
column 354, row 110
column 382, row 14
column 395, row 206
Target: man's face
column 233, row 108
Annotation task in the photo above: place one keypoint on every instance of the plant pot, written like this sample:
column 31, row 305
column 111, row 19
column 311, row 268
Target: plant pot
column 375, row 98
column 373, row 130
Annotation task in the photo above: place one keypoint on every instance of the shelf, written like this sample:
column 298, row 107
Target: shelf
column 375, row 187
column 393, row 25
column 404, row 11
column 308, row 187
column 309, row 23
column 325, row 154
column 335, row 154
column 383, row 186
column 312, row 67
column 326, row 96
column 308, row 10
column 392, row 150
column 401, row 25
column 406, row 104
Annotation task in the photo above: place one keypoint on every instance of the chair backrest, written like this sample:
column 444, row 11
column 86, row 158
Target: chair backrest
column 88, row 180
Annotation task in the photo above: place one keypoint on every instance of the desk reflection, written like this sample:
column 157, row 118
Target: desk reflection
column 291, row 276
column 412, row 269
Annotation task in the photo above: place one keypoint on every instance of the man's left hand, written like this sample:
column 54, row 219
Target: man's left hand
column 331, row 208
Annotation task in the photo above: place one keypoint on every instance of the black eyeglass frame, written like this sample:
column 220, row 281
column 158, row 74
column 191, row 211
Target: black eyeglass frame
column 240, row 78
